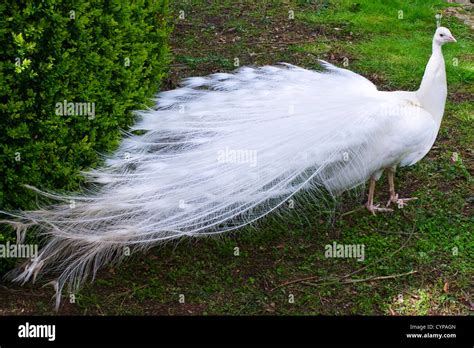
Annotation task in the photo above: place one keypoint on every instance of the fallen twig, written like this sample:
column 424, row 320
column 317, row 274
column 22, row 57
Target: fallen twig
column 352, row 211
column 352, row 281
column 331, row 280
column 390, row 232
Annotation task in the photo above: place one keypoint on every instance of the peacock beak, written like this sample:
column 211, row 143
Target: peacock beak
column 452, row 39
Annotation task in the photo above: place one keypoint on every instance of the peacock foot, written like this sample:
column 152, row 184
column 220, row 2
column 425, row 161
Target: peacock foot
column 400, row 202
column 376, row 208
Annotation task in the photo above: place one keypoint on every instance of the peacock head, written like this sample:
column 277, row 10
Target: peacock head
column 443, row 35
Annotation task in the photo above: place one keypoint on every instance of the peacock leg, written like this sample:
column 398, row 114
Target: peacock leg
column 370, row 201
column 401, row 202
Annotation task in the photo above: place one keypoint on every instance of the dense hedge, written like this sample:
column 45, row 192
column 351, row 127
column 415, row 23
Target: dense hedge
column 108, row 54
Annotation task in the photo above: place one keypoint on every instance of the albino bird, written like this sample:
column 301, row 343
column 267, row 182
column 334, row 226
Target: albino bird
column 225, row 150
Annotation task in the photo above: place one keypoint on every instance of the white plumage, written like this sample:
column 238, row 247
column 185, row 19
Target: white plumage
column 225, row 150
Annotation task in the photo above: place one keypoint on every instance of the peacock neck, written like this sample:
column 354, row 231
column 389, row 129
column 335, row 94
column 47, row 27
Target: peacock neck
column 433, row 88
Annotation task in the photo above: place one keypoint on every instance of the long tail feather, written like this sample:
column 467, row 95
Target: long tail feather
column 215, row 155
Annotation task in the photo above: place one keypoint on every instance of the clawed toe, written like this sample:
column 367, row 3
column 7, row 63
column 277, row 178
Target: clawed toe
column 392, row 199
column 376, row 208
column 400, row 202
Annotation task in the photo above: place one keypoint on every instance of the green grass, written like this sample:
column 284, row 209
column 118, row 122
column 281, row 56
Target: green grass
column 397, row 49
column 432, row 236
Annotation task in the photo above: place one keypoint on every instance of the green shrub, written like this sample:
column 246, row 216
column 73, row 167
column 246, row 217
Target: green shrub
column 109, row 54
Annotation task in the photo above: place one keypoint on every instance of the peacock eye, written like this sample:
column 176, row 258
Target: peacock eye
column 441, row 34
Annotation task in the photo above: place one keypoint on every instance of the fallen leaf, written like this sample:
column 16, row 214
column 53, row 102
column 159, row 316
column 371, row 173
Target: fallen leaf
column 446, row 287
